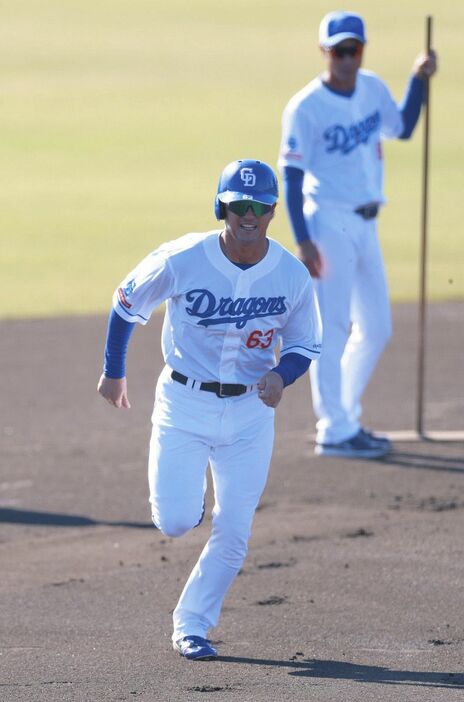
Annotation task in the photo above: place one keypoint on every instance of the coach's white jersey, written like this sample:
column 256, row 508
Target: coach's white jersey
column 336, row 140
column 243, row 314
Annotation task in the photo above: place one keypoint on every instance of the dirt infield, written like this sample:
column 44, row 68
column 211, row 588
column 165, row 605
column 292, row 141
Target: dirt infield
column 353, row 587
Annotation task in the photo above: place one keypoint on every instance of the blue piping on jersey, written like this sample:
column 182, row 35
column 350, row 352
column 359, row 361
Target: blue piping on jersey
column 145, row 319
column 243, row 266
column 297, row 346
column 342, row 93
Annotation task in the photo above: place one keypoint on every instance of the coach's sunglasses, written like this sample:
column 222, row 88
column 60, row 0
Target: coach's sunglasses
column 341, row 51
column 240, row 207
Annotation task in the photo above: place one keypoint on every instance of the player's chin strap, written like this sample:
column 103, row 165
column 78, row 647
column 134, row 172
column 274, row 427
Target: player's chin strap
column 220, row 389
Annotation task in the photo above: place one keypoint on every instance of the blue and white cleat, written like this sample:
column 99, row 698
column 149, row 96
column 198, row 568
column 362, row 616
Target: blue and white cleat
column 195, row 648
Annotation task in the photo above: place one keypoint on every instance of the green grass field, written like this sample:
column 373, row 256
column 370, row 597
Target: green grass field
column 117, row 118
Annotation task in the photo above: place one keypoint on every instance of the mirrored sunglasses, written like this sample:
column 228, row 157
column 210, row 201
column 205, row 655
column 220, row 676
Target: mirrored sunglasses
column 240, row 207
column 341, row 51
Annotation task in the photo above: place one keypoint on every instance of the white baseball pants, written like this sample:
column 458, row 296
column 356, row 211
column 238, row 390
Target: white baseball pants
column 236, row 435
column 355, row 311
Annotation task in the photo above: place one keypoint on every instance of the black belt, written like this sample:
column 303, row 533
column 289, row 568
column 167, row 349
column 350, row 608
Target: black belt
column 221, row 389
column 368, row 211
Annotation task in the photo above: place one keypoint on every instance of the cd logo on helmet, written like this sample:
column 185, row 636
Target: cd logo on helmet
column 248, row 177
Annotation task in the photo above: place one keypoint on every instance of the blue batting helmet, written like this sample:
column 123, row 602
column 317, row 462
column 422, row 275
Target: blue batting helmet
column 245, row 179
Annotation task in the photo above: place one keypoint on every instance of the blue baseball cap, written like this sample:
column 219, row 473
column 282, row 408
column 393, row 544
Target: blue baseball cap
column 246, row 179
column 338, row 26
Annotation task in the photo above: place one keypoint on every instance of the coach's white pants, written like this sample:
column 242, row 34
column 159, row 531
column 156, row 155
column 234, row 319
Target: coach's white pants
column 236, row 436
column 355, row 311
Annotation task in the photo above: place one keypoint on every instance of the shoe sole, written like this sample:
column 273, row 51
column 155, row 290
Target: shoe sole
column 341, row 453
column 209, row 657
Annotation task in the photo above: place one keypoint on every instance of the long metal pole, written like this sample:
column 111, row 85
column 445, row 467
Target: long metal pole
column 423, row 252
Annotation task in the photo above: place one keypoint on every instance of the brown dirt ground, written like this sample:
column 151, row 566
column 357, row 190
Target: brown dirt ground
column 352, row 589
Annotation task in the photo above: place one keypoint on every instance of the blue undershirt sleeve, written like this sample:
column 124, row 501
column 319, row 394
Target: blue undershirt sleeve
column 117, row 340
column 291, row 366
column 411, row 104
column 294, row 200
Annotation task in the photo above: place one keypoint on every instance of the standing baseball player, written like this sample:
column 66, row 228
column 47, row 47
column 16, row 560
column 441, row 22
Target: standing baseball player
column 332, row 168
column 232, row 297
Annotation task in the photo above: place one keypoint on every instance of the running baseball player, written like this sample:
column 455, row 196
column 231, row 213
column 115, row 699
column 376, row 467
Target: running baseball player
column 332, row 168
column 232, row 297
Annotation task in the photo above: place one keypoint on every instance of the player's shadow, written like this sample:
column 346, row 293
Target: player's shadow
column 343, row 670
column 411, row 459
column 55, row 519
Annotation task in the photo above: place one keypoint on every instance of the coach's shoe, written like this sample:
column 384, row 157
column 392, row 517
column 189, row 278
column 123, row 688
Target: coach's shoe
column 195, row 648
column 377, row 440
column 361, row 445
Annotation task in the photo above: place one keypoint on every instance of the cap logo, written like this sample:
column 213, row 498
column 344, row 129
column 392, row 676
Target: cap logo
column 248, row 177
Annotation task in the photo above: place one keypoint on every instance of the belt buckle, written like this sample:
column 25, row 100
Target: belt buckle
column 220, row 393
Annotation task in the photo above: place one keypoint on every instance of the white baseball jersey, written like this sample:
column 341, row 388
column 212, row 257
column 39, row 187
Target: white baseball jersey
column 243, row 314
column 336, row 140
